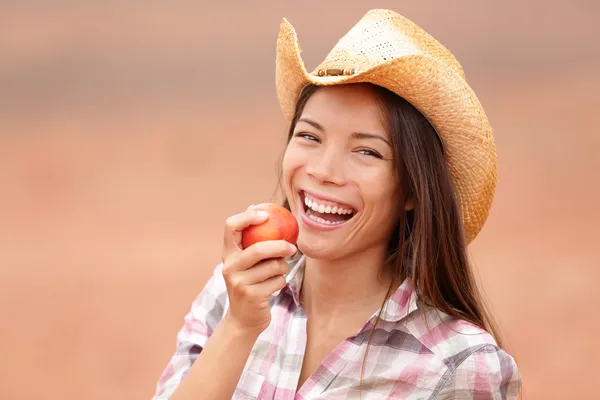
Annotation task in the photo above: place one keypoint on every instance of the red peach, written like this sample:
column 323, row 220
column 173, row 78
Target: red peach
column 281, row 225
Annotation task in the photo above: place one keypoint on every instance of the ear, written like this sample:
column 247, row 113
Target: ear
column 409, row 203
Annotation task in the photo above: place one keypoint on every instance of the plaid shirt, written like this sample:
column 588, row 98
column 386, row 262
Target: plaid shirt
column 405, row 359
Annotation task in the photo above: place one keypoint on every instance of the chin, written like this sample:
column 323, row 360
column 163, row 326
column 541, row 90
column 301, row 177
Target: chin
column 317, row 249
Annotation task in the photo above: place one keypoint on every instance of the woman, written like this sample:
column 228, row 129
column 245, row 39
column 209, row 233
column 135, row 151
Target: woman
column 390, row 169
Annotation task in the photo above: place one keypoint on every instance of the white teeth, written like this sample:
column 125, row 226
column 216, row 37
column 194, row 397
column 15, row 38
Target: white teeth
column 322, row 208
column 323, row 221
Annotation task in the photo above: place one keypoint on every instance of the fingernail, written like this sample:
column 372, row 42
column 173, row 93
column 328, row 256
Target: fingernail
column 262, row 214
column 250, row 206
column 293, row 248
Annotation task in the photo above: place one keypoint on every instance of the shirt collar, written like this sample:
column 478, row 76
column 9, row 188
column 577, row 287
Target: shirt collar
column 402, row 302
column 294, row 278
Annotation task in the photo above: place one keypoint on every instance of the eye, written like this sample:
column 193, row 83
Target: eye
column 369, row 152
column 306, row 136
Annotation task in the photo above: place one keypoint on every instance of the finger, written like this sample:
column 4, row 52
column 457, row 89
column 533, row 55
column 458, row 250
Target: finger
column 235, row 224
column 268, row 287
column 264, row 271
column 261, row 251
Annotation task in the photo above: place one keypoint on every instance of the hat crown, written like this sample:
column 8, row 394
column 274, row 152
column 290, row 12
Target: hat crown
column 381, row 36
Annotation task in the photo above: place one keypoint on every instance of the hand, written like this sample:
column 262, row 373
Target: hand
column 254, row 274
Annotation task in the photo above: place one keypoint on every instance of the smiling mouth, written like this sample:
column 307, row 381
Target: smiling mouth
column 326, row 212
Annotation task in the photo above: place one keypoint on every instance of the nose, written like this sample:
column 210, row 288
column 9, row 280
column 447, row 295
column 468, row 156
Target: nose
column 327, row 167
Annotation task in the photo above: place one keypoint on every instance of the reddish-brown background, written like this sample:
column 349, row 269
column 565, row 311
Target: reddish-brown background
column 130, row 130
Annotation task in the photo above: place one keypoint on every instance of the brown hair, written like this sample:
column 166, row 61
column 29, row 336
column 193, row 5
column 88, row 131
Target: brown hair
column 428, row 244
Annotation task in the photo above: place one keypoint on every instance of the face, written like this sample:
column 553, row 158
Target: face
column 340, row 176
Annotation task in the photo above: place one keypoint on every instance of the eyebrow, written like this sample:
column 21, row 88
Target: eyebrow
column 357, row 135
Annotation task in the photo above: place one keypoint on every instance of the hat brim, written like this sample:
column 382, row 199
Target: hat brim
column 439, row 93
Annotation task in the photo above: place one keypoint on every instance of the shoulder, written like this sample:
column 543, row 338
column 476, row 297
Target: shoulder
column 446, row 336
column 213, row 293
column 484, row 372
column 472, row 365
column 207, row 309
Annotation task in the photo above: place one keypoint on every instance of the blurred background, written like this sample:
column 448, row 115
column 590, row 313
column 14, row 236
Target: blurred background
column 130, row 130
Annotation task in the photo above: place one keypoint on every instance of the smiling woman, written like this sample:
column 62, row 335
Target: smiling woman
column 390, row 170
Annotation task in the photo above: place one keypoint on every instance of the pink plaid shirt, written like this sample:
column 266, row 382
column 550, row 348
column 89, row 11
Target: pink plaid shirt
column 452, row 360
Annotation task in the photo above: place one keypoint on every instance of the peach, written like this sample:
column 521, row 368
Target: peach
column 281, row 225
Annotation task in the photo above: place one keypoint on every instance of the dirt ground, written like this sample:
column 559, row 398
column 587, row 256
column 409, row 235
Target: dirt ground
column 128, row 133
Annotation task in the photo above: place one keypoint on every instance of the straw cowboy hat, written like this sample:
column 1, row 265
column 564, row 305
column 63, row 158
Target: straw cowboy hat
column 386, row 49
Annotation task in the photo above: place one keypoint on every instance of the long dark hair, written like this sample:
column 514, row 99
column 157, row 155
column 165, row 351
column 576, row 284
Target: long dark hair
column 428, row 245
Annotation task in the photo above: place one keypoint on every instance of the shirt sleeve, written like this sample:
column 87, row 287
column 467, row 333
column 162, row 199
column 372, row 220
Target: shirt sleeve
column 206, row 312
column 488, row 373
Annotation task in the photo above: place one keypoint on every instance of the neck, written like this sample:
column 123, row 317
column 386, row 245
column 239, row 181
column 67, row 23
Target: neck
column 333, row 288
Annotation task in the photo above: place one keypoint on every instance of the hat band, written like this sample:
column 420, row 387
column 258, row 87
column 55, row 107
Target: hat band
column 336, row 71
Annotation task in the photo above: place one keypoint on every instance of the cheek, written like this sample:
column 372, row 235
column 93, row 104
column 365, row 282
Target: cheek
column 291, row 163
column 382, row 193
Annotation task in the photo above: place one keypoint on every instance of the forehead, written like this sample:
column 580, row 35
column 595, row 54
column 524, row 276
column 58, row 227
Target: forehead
column 347, row 107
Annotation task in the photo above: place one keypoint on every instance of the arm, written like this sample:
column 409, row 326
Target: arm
column 209, row 345
column 217, row 370
column 214, row 344
column 201, row 321
column 212, row 349
column 488, row 373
